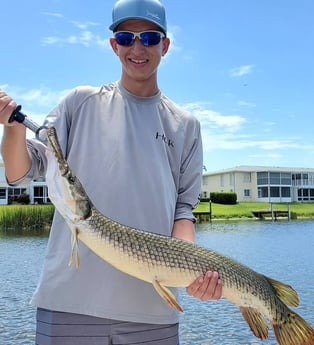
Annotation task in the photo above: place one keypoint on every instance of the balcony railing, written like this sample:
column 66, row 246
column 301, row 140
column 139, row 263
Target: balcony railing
column 303, row 182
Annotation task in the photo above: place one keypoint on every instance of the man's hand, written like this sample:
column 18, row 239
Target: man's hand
column 208, row 287
column 204, row 288
column 7, row 105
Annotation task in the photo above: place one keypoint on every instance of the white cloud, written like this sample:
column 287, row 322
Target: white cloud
column 4, row 86
column 83, row 34
column 230, row 133
column 267, row 155
column 172, row 33
column 246, row 104
column 53, row 14
column 213, row 120
column 41, row 98
column 241, row 71
column 85, row 38
column 38, row 101
column 83, row 25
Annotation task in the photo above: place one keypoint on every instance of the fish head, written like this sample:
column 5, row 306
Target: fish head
column 66, row 191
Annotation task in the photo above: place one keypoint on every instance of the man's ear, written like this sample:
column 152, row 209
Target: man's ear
column 165, row 45
column 114, row 45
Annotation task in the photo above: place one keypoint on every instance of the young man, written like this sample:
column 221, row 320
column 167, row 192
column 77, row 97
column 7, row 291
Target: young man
column 139, row 158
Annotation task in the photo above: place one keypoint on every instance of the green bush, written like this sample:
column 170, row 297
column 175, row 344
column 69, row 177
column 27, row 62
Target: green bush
column 26, row 219
column 201, row 199
column 224, row 198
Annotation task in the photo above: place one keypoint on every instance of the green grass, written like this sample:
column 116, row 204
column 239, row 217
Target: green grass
column 26, row 219
column 35, row 220
column 244, row 209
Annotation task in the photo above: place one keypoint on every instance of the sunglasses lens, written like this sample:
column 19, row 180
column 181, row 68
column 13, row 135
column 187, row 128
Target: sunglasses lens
column 148, row 38
column 124, row 38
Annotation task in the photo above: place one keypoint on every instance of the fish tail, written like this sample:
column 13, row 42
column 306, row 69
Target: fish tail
column 293, row 331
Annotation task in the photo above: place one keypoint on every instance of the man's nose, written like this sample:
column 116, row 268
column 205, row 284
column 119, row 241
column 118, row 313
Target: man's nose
column 138, row 45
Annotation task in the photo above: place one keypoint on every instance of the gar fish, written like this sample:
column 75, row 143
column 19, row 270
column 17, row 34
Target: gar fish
column 169, row 262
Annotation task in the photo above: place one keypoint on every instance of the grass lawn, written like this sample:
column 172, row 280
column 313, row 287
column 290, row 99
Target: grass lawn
column 244, row 209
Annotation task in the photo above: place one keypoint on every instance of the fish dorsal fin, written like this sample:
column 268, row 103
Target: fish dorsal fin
column 256, row 322
column 284, row 292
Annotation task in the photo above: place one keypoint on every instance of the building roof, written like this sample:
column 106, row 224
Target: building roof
column 256, row 168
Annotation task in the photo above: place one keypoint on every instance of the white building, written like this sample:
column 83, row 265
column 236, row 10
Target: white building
column 262, row 183
column 37, row 190
column 250, row 183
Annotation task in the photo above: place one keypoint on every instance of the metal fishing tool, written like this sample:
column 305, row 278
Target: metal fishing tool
column 20, row 117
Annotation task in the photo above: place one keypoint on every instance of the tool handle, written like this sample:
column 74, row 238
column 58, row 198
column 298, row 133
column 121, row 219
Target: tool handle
column 17, row 115
column 20, row 117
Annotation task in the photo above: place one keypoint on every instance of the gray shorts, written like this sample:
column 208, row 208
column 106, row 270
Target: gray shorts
column 57, row 328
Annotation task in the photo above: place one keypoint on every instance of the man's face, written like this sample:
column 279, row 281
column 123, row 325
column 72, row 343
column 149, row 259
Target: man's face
column 139, row 63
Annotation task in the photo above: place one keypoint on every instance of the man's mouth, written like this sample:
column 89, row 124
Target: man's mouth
column 139, row 62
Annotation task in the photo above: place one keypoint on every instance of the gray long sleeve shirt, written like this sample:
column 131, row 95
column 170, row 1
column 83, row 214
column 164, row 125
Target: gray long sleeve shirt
column 140, row 161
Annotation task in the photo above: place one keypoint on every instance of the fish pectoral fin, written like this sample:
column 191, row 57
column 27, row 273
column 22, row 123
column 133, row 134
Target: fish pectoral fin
column 256, row 321
column 284, row 292
column 166, row 295
column 74, row 248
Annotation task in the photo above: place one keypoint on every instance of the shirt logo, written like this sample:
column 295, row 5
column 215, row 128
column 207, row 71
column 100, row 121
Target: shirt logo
column 162, row 137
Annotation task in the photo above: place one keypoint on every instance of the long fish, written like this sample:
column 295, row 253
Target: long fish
column 168, row 262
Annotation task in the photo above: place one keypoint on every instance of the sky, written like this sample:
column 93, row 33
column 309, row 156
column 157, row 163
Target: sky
column 244, row 68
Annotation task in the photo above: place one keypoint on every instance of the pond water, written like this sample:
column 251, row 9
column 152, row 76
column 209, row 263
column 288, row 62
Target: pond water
column 282, row 250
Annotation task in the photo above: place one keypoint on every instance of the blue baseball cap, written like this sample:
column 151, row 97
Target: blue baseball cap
column 150, row 10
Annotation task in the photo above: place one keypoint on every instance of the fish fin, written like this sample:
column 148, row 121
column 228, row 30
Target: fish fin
column 293, row 331
column 256, row 322
column 284, row 292
column 167, row 295
column 77, row 257
column 72, row 251
column 74, row 248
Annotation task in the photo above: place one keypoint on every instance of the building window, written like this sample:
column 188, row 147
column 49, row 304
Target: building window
column 263, row 192
column 16, row 191
column 296, row 178
column 246, row 177
column 40, row 179
column 40, row 194
column 274, row 178
column 231, row 179
column 274, row 192
column 305, row 194
column 262, row 178
column 285, row 192
column 3, row 193
column 286, row 179
column 305, row 179
column 222, row 183
column 247, row 192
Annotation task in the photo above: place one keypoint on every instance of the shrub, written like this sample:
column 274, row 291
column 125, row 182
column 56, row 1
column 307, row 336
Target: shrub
column 224, row 198
column 19, row 199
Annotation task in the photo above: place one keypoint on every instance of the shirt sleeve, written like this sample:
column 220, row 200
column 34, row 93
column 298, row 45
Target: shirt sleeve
column 190, row 173
column 39, row 163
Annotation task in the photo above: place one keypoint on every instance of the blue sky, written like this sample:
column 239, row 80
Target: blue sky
column 245, row 68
